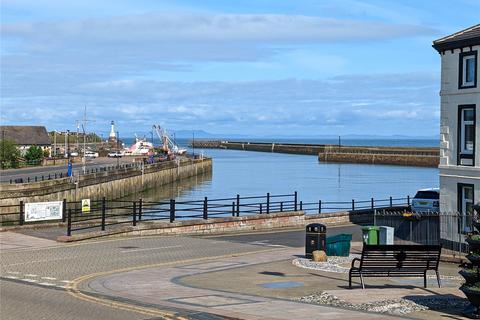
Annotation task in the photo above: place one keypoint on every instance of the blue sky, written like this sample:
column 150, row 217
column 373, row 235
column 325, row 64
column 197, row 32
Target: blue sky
column 260, row 68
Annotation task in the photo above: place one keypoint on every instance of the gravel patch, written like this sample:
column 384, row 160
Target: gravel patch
column 400, row 306
column 333, row 264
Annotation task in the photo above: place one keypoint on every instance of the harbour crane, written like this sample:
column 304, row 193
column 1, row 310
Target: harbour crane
column 168, row 146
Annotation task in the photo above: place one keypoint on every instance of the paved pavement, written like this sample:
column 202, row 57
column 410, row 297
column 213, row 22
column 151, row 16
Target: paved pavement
column 157, row 287
column 162, row 278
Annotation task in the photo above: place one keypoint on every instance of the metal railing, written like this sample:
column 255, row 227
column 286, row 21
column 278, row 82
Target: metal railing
column 353, row 205
column 105, row 213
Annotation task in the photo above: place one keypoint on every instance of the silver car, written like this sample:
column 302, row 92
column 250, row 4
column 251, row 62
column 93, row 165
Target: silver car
column 426, row 200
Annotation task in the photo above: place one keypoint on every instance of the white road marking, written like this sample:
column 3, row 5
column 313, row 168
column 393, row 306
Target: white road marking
column 29, row 280
column 11, row 277
column 66, row 281
column 13, row 272
column 31, row 275
column 49, row 278
column 265, row 244
column 147, row 249
column 46, row 284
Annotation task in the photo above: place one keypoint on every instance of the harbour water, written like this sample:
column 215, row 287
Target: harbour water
column 256, row 173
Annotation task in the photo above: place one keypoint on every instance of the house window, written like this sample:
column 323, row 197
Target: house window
column 465, row 207
column 466, row 135
column 467, row 70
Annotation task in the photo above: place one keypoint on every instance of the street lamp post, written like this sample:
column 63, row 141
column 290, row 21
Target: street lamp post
column 68, row 144
column 118, row 149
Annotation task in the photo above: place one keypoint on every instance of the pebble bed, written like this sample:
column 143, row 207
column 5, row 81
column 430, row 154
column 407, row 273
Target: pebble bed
column 333, row 264
column 394, row 306
column 399, row 306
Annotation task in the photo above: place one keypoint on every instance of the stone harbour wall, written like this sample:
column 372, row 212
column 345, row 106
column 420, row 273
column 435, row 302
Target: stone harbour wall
column 111, row 184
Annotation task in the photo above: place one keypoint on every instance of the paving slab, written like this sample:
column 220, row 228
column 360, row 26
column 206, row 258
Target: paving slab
column 158, row 286
column 14, row 240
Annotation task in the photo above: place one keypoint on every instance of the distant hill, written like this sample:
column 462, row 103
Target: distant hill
column 201, row 134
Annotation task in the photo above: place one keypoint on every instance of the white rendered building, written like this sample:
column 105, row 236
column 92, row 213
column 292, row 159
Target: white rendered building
column 459, row 125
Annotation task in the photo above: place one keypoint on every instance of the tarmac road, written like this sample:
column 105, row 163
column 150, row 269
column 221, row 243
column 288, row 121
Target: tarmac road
column 24, row 173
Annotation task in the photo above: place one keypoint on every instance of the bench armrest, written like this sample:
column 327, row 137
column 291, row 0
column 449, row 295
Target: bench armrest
column 353, row 262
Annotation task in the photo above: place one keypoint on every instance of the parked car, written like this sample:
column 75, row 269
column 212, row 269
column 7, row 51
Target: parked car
column 426, row 200
column 74, row 154
column 91, row 154
column 114, row 154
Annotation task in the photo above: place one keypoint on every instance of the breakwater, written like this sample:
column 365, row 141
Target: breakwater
column 111, row 184
column 406, row 156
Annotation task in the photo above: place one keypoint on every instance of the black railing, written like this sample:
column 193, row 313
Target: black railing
column 353, row 205
column 103, row 213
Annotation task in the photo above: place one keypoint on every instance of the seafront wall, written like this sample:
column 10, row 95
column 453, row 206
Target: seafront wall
column 273, row 221
column 407, row 156
column 111, row 184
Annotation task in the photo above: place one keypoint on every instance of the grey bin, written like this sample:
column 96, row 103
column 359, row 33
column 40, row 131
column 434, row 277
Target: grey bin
column 386, row 235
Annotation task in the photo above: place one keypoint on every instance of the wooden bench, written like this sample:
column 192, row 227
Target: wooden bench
column 396, row 261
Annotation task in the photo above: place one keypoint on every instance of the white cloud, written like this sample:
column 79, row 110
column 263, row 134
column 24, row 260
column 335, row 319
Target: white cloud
column 383, row 104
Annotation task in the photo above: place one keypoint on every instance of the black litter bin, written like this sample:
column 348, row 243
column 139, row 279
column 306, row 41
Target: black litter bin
column 315, row 238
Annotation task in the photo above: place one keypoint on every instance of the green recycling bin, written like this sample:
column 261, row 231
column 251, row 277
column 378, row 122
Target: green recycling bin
column 370, row 234
column 338, row 245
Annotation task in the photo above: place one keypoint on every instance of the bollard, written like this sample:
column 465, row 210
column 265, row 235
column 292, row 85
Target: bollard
column 233, row 208
column 49, row 177
column 28, row 179
column 55, row 175
column 391, row 202
column 319, row 206
column 301, row 205
column 353, row 205
column 35, row 178
column 408, row 201
column 373, row 203
column 281, row 206
column 260, row 208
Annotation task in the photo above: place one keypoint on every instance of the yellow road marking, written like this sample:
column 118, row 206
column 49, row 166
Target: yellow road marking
column 73, row 287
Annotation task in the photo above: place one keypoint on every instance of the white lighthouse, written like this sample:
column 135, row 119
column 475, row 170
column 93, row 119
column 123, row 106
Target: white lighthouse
column 112, row 136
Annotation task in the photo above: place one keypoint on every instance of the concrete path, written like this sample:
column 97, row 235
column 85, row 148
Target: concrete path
column 158, row 287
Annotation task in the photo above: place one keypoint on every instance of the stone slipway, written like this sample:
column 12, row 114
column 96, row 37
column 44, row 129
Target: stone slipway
column 156, row 287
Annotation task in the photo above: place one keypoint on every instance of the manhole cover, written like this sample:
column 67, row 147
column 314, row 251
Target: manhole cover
column 282, row 284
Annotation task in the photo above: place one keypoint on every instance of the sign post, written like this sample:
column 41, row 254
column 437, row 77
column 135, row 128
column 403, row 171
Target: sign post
column 40, row 211
column 85, row 205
